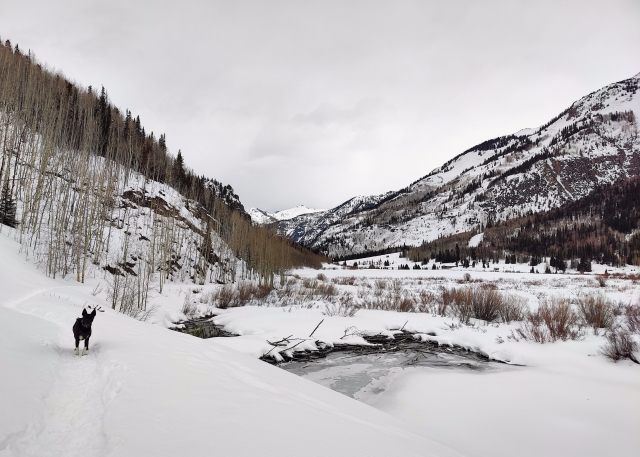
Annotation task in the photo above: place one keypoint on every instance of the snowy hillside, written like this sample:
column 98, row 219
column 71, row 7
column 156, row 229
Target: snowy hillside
column 264, row 217
column 593, row 142
column 146, row 390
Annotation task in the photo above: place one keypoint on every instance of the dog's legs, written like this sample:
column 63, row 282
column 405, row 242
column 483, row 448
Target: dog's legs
column 86, row 346
column 77, row 343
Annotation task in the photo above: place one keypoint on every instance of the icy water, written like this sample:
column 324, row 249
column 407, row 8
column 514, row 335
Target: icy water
column 364, row 377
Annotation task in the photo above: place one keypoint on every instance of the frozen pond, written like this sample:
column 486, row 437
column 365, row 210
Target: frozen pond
column 364, row 377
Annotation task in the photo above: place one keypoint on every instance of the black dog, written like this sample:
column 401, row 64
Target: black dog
column 82, row 329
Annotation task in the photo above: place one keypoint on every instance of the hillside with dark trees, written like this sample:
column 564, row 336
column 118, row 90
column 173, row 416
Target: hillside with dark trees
column 75, row 170
column 602, row 228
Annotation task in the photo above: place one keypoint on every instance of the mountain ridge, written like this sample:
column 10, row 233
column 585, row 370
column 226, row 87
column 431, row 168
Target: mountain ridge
column 594, row 141
column 262, row 217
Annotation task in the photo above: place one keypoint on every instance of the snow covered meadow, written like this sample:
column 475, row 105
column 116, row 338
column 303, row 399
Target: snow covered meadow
column 478, row 388
column 541, row 390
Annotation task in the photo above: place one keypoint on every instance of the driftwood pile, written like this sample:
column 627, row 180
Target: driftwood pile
column 202, row 327
column 403, row 341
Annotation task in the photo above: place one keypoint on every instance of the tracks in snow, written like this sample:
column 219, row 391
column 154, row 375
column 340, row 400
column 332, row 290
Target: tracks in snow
column 72, row 423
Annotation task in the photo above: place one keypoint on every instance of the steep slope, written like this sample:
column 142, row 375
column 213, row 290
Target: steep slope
column 593, row 142
column 94, row 194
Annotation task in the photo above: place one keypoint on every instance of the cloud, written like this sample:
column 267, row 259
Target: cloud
column 314, row 102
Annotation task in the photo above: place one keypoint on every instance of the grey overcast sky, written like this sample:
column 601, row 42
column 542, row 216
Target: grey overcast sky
column 314, row 102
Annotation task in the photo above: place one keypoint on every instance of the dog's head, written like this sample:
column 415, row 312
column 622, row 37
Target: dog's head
column 87, row 318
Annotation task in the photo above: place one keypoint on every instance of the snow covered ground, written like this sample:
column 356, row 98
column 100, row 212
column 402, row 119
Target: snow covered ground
column 553, row 399
column 144, row 390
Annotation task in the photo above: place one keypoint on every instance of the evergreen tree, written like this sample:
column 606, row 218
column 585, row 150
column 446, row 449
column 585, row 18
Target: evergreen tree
column 7, row 207
column 178, row 169
column 584, row 265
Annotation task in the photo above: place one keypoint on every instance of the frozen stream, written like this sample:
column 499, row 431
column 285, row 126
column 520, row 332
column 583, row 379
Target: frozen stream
column 365, row 377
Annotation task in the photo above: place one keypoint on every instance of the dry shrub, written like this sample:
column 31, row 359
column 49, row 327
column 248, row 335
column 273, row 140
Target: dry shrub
column 223, row 297
column 262, row 291
column 442, row 305
column 427, row 301
column 554, row 320
column 596, row 312
column 537, row 332
column 514, row 308
column 344, row 280
column 619, row 309
column 459, row 302
column 632, row 318
column 326, row 291
column 189, row 308
column 620, row 345
column 345, row 307
column 310, row 283
column 380, row 284
column 602, row 280
column 391, row 302
column 396, row 285
column 321, row 277
column 560, row 319
column 402, row 303
column 244, row 293
column 487, row 304
column 287, row 291
column 362, row 293
column 481, row 303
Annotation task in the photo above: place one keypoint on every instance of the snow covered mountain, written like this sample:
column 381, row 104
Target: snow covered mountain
column 261, row 217
column 593, row 142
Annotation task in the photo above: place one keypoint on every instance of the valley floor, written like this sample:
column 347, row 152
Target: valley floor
column 146, row 390
column 553, row 399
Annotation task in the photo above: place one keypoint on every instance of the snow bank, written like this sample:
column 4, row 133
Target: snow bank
column 145, row 390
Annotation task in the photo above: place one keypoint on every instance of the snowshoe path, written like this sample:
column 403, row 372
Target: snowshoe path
column 73, row 419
